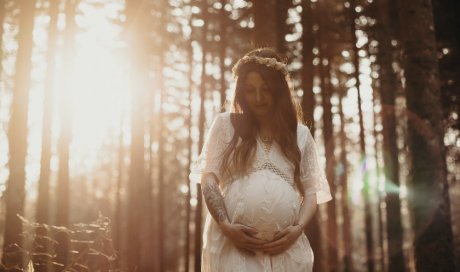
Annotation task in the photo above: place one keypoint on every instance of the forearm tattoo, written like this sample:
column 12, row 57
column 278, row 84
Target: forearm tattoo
column 213, row 198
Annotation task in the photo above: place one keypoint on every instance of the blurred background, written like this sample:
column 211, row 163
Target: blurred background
column 104, row 104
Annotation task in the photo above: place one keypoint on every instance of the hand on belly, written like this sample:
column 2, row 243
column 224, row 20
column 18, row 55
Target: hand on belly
column 264, row 202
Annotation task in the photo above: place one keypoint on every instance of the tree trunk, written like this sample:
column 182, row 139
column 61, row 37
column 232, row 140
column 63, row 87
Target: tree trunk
column 308, row 105
column 201, row 126
column 447, row 28
column 222, row 53
column 343, row 178
column 2, row 19
column 356, row 74
column 308, row 99
column 189, row 147
column 119, row 225
column 328, row 136
column 42, row 212
column 366, row 189
column 44, row 180
column 387, row 91
column 65, row 137
column 17, row 130
column 282, row 28
column 162, row 188
column 135, row 13
column 161, row 180
column 428, row 190
column 65, row 114
column 265, row 28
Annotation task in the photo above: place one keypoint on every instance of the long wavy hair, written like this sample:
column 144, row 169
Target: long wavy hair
column 240, row 152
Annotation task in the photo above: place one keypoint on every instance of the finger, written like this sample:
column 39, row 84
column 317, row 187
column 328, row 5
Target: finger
column 254, row 241
column 275, row 251
column 280, row 234
column 276, row 248
column 275, row 243
column 247, row 251
column 249, row 230
column 251, row 247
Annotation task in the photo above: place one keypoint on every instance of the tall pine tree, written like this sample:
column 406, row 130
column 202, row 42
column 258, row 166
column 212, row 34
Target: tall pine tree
column 428, row 190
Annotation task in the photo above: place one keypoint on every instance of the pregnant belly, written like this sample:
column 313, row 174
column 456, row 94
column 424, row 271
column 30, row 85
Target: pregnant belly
column 264, row 201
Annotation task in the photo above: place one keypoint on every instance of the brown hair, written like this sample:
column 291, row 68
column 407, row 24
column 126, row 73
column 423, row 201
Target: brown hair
column 285, row 117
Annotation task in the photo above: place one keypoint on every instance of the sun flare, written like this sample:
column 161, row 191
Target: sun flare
column 99, row 86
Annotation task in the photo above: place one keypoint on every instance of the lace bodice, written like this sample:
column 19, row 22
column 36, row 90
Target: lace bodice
column 311, row 173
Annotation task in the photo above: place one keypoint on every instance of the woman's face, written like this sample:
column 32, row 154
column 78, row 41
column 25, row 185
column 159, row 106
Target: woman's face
column 257, row 95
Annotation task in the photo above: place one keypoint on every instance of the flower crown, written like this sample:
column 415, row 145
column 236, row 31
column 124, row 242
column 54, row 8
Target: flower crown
column 269, row 62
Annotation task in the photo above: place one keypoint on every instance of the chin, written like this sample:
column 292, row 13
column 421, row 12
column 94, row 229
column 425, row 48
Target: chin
column 261, row 112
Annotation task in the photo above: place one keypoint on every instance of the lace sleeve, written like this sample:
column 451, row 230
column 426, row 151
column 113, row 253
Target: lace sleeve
column 312, row 173
column 210, row 158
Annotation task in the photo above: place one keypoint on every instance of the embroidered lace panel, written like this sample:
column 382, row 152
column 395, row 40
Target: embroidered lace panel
column 312, row 173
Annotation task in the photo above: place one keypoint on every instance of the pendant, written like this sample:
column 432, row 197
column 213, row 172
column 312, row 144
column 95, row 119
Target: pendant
column 265, row 139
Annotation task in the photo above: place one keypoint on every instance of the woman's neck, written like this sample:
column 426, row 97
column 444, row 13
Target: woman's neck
column 265, row 124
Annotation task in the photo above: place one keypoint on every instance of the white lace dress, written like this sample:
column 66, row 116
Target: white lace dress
column 265, row 199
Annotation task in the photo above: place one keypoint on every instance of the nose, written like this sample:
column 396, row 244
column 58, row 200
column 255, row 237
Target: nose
column 258, row 95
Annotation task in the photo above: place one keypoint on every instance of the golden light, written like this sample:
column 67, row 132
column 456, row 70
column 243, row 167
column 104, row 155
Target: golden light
column 99, row 86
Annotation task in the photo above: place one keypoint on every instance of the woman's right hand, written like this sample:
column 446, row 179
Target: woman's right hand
column 242, row 236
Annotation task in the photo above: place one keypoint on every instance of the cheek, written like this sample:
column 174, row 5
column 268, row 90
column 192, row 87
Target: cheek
column 270, row 100
column 249, row 98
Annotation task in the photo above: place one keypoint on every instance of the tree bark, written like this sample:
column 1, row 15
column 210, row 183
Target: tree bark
column 328, row 137
column 44, row 180
column 387, row 90
column 119, row 215
column 161, row 179
column 189, row 153
column 265, row 28
column 282, row 28
column 162, row 188
column 308, row 105
column 428, row 189
column 65, row 114
column 17, row 130
column 308, row 99
column 366, row 189
column 201, row 126
column 135, row 15
column 222, row 53
column 343, row 181
column 2, row 19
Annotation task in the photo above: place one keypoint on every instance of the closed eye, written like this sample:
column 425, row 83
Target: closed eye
column 249, row 89
column 265, row 89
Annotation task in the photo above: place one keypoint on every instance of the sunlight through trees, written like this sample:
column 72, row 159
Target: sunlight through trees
column 104, row 106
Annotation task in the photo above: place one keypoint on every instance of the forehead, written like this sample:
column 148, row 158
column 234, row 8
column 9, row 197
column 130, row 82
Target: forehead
column 254, row 78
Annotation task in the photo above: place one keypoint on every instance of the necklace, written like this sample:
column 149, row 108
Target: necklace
column 266, row 142
column 266, row 139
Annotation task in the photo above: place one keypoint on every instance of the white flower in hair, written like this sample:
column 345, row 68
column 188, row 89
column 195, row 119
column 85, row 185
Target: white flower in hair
column 279, row 66
column 269, row 62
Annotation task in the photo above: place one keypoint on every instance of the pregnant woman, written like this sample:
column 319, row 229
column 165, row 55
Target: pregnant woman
column 260, row 175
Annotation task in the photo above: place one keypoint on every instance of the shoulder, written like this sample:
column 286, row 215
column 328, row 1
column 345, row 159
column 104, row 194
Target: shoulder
column 229, row 119
column 302, row 130
column 223, row 124
column 303, row 133
column 222, row 118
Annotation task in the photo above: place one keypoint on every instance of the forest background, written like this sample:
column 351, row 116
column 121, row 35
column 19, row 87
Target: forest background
column 105, row 104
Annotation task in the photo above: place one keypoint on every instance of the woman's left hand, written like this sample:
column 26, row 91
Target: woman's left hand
column 282, row 240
